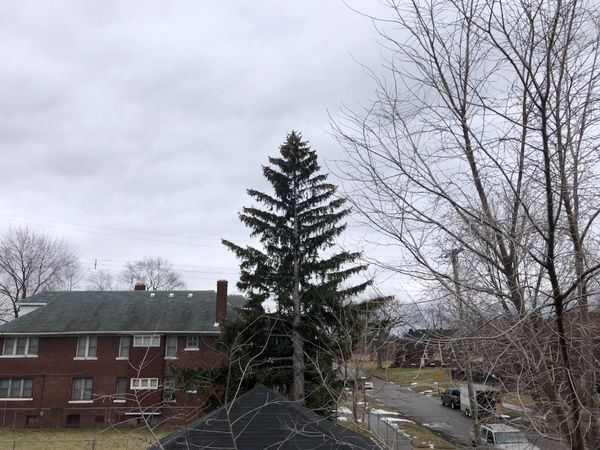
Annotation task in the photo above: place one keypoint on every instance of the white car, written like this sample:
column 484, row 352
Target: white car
column 367, row 383
column 499, row 435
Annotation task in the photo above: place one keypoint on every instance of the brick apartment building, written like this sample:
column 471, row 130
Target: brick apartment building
column 97, row 358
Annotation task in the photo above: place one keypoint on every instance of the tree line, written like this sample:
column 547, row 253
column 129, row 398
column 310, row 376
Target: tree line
column 33, row 261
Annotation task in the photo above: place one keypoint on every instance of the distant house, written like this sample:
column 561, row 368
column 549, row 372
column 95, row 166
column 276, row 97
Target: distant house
column 97, row 358
column 260, row 419
column 420, row 348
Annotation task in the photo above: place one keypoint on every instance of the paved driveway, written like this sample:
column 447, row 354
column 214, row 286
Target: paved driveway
column 429, row 412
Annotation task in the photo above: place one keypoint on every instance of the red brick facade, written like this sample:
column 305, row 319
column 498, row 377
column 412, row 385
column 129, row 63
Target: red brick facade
column 56, row 366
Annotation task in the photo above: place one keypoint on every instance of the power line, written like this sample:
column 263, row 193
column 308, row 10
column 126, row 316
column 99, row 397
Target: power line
column 132, row 234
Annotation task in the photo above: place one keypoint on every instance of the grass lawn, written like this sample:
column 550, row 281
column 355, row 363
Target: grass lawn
column 421, row 437
column 519, row 400
column 80, row 439
column 417, row 379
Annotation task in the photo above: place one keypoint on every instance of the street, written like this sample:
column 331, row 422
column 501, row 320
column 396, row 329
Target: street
column 427, row 411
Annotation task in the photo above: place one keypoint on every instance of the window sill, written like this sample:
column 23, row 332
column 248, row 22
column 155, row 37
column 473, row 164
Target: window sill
column 80, row 401
column 119, row 401
column 122, row 358
column 191, row 392
column 18, row 356
column 24, row 399
column 171, row 357
column 192, row 349
column 85, row 358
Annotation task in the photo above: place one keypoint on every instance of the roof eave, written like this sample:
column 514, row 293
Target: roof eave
column 105, row 332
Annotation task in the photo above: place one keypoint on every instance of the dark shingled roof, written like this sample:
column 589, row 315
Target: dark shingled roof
column 120, row 311
column 262, row 420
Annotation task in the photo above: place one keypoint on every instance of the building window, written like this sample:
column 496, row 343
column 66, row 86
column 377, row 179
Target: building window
column 191, row 343
column 144, row 383
column 171, row 347
column 86, row 347
column 191, row 388
column 124, row 347
column 121, row 390
column 16, row 388
column 73, row 420
column 169, row 390
column 32, row 421
column 82, row 390
column 20, row 346
column 146, row 340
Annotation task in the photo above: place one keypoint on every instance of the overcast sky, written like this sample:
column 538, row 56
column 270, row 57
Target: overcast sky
column 133, row 128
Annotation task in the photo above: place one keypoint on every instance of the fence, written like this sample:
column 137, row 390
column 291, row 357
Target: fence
column 384, row 425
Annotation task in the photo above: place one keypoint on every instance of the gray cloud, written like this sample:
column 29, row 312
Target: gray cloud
column 156, row 116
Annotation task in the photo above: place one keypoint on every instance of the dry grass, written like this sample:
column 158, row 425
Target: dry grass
column 421, row 437
column 417, row 379
column 81, row 439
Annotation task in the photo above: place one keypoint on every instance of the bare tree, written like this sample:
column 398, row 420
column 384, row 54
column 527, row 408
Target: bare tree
column 31, row 262
column 155, row 272
column 483, row 137
column 101, row 280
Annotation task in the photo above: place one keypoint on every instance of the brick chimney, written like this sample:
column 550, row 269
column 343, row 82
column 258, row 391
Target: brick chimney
column 139, row 287
column 221, row 307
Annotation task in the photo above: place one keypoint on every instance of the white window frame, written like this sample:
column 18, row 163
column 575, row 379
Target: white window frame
column 146, row 340
column 83, row 389
column 169, row 390
column 22, row 389
column 123, row 339
column 192, row 347
column 169, row 340
column 120, row 397
column 12, row 351
column 139, row 384
column 85, row 341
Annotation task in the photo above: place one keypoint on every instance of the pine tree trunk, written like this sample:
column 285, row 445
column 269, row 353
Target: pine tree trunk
column 297, row 342
column 298, row 356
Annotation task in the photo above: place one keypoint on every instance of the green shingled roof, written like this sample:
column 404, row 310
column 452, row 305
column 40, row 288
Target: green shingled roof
column 120, row 311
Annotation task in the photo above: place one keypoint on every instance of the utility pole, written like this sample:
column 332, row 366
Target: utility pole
column 473, row 405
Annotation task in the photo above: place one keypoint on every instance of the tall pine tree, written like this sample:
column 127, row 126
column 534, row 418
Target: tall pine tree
column 297, row 269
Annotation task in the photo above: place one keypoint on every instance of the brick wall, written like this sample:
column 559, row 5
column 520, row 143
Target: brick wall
column 54, row 368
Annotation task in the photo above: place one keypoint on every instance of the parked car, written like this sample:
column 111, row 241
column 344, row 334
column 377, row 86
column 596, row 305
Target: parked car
column 451, row 397
column 485, row 396
column 502, row 436
column 367, row 383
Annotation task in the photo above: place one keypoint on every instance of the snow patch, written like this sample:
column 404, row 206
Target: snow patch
column 344, row 410
column 383, row 412
column 391, row 420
